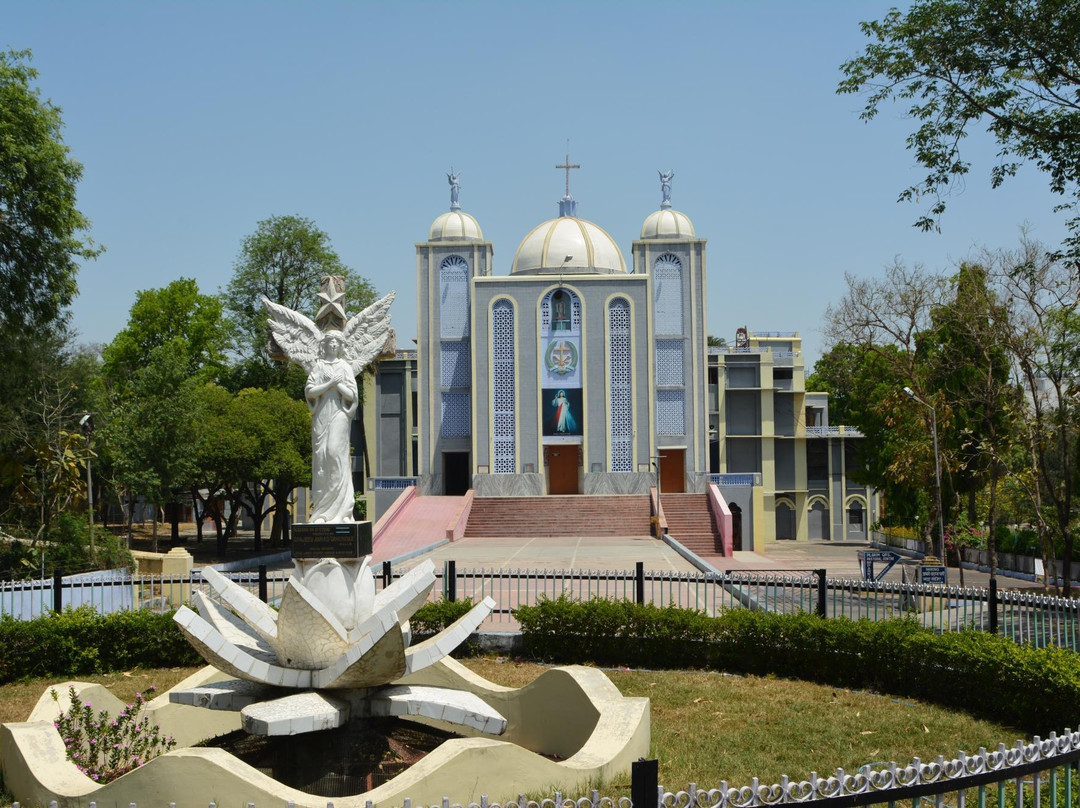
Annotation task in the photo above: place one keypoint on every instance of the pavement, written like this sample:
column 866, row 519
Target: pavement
column 838, row 559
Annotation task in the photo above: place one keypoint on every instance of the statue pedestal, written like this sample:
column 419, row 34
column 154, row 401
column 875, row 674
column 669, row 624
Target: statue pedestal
column 341, row 540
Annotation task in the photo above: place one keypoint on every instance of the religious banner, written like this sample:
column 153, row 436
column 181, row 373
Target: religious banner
column 562, row 361
column 562, row 411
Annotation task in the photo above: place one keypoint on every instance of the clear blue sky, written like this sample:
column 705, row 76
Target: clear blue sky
column 196, row 120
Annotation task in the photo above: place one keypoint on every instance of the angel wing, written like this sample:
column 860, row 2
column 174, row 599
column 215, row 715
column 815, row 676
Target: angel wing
column 365, row 334
column 294, row 333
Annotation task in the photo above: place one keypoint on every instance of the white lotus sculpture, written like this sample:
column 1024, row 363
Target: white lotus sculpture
column 335, row 641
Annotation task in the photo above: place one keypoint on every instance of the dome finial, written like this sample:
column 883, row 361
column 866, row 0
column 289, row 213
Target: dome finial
column 665, row 188
column 455, row 189
column 567, row 205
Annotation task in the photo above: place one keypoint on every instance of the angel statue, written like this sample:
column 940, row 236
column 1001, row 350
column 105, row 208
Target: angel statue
column 332, row 360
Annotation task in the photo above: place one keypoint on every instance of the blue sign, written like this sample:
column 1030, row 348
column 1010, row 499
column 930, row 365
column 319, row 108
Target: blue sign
column 867, row 559
column 933, row 576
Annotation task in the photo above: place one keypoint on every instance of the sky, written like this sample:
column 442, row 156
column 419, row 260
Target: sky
column 196, row 120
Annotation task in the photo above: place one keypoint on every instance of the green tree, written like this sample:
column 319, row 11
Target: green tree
column 1011, row 66
column 151, row 432
column 178, row 316
column 863, row 387
column 966, row 353
column 41, row 231
column 285, row 260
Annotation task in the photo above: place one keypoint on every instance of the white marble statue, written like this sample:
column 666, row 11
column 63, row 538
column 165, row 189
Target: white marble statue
column 332, row 360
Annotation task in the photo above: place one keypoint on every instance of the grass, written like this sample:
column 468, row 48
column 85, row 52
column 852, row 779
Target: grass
column 706, row 727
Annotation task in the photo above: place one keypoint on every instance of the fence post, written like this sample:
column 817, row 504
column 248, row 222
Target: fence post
column 644, row 775
column 993, row 606
column 820, row 592
column 450, row 580
column 57, row 591
column 639, row 576
column 387, row 574
column 262, row 584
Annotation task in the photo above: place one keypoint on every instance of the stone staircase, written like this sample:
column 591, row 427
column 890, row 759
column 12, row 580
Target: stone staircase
column 690, row 523
column 534, row 517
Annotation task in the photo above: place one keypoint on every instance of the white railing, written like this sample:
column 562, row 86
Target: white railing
column 748, row 478
column 832, row 432
column 391, row 483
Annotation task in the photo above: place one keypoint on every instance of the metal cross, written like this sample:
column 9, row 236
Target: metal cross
column 568, row 165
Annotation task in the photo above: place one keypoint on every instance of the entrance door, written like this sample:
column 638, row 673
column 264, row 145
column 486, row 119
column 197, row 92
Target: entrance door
column 736, row 527
column 457, row 479
column 672, row 471
column 562, row 464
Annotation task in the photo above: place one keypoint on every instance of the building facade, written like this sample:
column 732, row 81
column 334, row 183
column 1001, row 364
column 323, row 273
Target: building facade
column 577, row 372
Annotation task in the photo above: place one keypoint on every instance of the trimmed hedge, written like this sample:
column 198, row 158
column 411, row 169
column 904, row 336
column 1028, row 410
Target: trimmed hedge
column 985, row 674
column 80, row 641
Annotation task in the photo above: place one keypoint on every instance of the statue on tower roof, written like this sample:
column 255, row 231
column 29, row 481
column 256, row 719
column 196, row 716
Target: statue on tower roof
column 455, row 189
column 665, row 188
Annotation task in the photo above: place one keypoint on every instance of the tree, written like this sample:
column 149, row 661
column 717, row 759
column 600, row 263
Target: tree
column 1012, row 66
column 41, row 230
column 178, row 316
column 886, row 316
column 1044, row 342
column 151, row 432
column 285, row 260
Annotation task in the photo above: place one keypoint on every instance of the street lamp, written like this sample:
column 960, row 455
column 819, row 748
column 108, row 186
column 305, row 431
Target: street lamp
column 937, row 471
column 86, row 424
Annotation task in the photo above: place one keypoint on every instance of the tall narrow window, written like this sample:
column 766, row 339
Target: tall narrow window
column 502, row 388
column 668, row 289
column 454, row 297
column 620, row 370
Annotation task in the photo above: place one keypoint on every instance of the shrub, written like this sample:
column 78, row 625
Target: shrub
column 104, row 747
column 981, row 673
column 81, row 641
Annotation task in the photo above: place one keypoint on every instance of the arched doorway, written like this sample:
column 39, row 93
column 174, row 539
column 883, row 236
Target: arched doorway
column 856, row 521
column 818, row 521
column 785, row 521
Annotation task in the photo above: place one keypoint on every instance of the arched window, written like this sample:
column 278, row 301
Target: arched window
column 454, row 297
column 620, row 378
column 560, row 312
column 503, row 393
column 668, row 289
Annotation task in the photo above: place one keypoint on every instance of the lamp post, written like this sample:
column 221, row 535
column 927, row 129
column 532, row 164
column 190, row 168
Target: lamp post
column 937, row 470
column 86, row 424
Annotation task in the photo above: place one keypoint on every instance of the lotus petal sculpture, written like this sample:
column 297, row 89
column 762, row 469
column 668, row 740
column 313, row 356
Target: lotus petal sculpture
column 332, row 632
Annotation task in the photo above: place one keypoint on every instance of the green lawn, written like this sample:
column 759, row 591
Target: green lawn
column 708, row 727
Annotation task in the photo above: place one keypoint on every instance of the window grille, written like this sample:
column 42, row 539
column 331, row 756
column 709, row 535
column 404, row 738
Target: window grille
column 454, row 297
column 620, row 369
column 670, row 412
column 545, row 311
column 455, row 415
column 668, row 289
column 503, row 388
column 455, row 364
column 669, row 362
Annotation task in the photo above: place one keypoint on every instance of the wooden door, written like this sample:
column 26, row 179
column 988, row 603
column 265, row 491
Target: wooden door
column 562, row 464
column 672, row 471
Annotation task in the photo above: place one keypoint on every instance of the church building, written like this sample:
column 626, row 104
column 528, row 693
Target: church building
column 576, row 372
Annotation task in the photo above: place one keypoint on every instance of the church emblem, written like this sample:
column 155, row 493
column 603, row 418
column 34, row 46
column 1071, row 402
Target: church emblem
column 561, row 357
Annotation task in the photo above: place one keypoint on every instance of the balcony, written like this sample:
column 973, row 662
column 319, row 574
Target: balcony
column 833, row 432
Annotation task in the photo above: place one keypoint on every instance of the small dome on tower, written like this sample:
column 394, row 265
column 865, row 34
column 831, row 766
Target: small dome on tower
column 568, row 244
column 455, row 226
column 667, row 223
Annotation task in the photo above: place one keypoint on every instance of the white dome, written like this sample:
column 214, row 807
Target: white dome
column 667, row 223
column 568, row 244
column 455, row 226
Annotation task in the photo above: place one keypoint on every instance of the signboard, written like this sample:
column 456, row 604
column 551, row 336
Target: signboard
column 867, row 559
column 933, row 576
column 345, row 540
